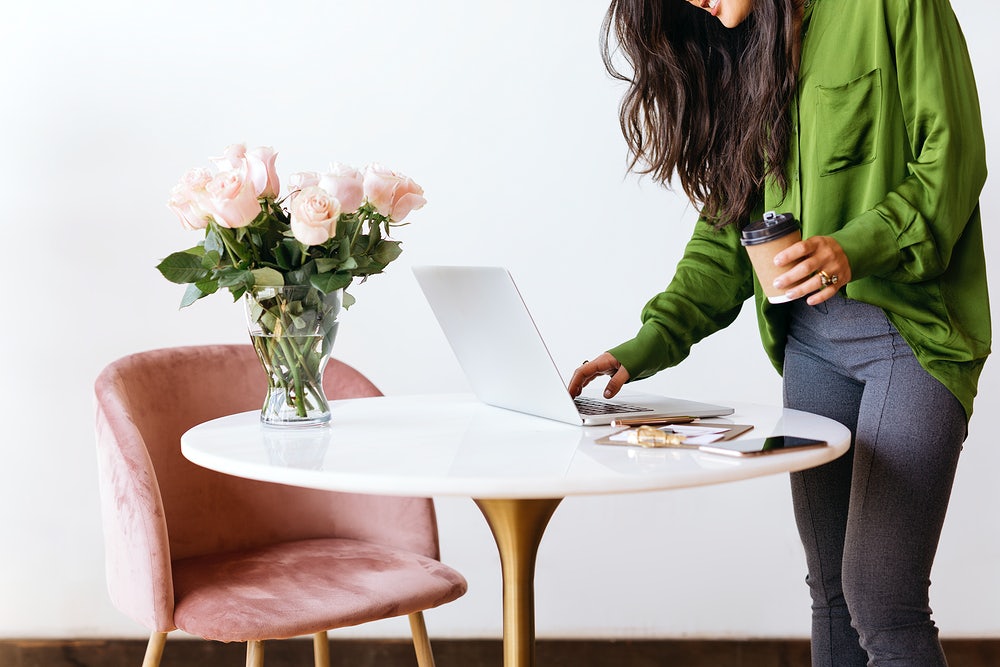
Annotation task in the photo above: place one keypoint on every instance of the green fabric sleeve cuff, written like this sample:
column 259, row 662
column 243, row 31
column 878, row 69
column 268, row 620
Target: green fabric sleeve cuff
column 644, row 355
column 870, row 245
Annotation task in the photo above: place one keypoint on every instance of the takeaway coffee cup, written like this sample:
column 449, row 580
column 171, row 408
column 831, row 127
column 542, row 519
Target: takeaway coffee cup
column 763, row 240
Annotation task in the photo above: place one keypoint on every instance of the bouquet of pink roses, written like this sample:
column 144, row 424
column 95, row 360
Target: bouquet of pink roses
column 329, row 228
column 292, row 257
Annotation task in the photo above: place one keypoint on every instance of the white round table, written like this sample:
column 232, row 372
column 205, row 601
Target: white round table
column 516, row 467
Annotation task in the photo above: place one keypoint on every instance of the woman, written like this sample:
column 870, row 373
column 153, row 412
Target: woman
column 861, row 118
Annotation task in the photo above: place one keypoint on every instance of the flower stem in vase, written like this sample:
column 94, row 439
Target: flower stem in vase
column 290, row 256
column 292, row 328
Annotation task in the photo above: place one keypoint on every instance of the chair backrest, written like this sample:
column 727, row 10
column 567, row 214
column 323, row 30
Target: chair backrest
column 157, row 506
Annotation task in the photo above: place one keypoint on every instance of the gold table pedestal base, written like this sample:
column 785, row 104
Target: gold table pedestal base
column 518, row 526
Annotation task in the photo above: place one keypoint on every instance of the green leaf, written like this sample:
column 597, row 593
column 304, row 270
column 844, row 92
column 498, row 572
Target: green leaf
column 301, row 276
column 207, row 286
column 386, row 252
column 365, row 265
column 191, row 294
column 373, row 238
column 330, row 282
column 362, row 245
column 325, row 264
column 267, row 277
column 182, row 267
column 238, row 292
column 234, row 277
column 348, row 301
column 347, row 228
column 211, row 259
column 213, row 242
column 288, row 254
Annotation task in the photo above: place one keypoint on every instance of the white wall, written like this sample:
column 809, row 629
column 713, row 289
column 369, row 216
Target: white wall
column 503, row 112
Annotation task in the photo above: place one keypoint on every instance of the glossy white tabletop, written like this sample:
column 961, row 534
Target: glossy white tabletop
column 441, row 445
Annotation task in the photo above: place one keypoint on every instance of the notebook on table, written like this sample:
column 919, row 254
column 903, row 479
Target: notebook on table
column 505, row 359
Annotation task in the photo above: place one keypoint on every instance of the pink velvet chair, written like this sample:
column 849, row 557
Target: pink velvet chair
column 231, row 559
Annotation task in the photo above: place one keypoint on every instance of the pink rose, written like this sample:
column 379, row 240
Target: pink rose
column 185, row 205
column 393, row 195
column 232, row 158
column 260, row 167
column 195, row 180
column 188, row 197
column 231, row 199
column 346, row 184
column 314, row 215
column 301, row 180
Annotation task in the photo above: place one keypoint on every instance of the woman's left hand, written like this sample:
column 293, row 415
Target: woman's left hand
column 818, row 267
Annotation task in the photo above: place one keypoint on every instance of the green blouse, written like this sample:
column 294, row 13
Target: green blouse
column 888, row 157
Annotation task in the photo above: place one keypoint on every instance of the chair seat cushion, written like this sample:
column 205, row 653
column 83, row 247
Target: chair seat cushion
column 304, row 587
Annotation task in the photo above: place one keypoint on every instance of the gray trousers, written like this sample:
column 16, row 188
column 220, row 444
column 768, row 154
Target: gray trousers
column 870, row 521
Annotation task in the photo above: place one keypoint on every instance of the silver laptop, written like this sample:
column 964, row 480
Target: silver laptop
column 505, row 359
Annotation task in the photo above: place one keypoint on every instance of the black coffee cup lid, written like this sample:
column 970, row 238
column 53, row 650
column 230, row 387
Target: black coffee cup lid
column 772, row 226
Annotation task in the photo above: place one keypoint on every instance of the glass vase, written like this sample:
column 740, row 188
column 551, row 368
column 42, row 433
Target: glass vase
column 292, row 329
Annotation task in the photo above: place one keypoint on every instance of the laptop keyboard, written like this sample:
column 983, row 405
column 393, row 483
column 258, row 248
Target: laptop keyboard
column 593, row 406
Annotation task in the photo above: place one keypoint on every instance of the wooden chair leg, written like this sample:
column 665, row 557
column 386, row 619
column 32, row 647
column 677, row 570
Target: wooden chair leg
column 321, row 649
column 421, row 642
column 154, row 649
column 255, row 653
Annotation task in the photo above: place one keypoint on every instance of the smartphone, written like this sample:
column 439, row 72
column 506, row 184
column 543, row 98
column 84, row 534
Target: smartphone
column 757, row 447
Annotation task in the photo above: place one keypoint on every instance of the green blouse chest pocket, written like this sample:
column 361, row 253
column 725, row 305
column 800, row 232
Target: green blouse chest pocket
column 847, row 122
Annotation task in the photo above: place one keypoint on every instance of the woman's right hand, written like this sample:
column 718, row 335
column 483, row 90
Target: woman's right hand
column 602, row 365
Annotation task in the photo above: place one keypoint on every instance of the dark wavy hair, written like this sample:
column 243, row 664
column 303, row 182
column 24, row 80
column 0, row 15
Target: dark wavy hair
column 705, row 102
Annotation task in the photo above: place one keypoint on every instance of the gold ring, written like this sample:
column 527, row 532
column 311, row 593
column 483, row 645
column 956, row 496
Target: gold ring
column 826, row 280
